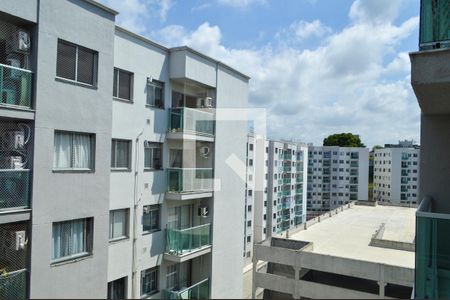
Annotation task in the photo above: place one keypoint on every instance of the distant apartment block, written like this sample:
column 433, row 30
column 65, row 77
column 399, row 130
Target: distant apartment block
column 286, row 206
column 336, row 176
column 351, row 252
column 396, row 174
column 113, row 174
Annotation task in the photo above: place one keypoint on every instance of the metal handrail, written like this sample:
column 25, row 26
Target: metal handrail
column 16, row 68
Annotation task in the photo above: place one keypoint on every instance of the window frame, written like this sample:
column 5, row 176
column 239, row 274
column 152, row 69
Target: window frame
column 158, row 146
column 152, row 207
column 88, row 240
column 130, row 150
column 91, row 168
column 126, row 226
column 147, row 272
column 153, row 84
column 116, row 89
column 94, row 67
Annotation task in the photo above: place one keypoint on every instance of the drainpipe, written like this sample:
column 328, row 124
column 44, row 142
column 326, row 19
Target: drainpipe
column 135, row 206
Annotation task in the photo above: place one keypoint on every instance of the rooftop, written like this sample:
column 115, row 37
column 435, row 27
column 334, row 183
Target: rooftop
column 349, row 233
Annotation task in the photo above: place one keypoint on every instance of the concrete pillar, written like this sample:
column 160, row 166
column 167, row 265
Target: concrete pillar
column 254, row 265
column 297, row 294
column 382, row 286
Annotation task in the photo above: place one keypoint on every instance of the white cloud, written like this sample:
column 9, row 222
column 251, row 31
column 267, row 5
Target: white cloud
column 240, row 3
column 378, row 11
column 304, row 30
column 134, row 14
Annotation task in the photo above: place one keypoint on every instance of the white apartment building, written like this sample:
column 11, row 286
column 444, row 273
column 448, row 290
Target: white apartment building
column 114, row 181
column 396, row 173
column 336, row 176
column 286, row 189
column 276, row 199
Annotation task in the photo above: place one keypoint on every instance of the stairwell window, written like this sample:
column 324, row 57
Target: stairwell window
column 120, row 155
column 73, row 151
column 151, row 219
column 76, row 63
column 72, row 239
column 118, row 224
column 152, row 156
column 123, row 85
column 155, row 93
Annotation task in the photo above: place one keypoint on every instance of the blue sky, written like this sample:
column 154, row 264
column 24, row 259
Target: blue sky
column 317, row 66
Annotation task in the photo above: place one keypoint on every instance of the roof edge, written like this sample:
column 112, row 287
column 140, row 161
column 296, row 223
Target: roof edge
column 141, row 38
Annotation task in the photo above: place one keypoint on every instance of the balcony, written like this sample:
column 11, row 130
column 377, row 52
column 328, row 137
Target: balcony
column 15, row 87
column 185, row 244
column 287, row 168
column 299, row 180
column 188, row 123
column 14, row 189
column 189, row 183
column 432, row 253
column 354, row 164
column 13, row 285
column 286, row 205
column 197, row 291
column 286, row 180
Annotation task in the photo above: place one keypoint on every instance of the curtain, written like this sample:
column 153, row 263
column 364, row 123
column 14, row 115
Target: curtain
column 118, row 223
column 176, row 156
column 81, row 157
column 62, row 151
column 122, row 154
column 68, row 238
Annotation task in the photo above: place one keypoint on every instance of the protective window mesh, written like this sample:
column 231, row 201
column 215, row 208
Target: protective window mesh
column 16, row 140
column 15, row 70
column 13, row 264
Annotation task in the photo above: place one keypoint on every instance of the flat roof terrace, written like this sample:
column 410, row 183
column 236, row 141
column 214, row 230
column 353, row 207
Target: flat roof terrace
column 348, row 234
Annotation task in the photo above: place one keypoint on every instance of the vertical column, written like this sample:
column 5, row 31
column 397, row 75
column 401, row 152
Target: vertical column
column 254, row 265
column 382, row 286
column 297, row 294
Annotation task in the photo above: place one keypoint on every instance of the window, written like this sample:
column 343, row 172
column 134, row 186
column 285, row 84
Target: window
column 155, row 93
column 118, row 224
column 250, row 192
column 72, row 239
column 249, row 208
column 249, row 239
column 249, row 223
column 76, row 63
column 250, row 162
column 117, row 289
column 123, row 85
column 121, row 154
column 73, row 151
column 150, row 218
column 152, row 156
column 250, row 146
column 149, row 281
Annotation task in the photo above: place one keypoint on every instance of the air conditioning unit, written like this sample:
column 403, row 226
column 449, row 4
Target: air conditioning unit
column 203, row 211
column 15, row 240
column 12, row 162
column 146, row 209
column 204, row 151
column 21, row 41
column 13, row 140
column 206, row 102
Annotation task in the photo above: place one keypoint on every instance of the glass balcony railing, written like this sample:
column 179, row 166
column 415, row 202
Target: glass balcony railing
column 354, row 164
column 197, row 291
column 14, row 189
column 287, row 168
column 434, row 24
column 184, row 180
column 286, row 180
column 285, row 205
column 299, row 180
column 13, row 285
column 15, row 86
column 183, row 241
column 432, row 253
column 193, row 121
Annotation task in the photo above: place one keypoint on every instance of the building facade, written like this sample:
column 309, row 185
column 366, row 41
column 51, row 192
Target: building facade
column 336, row 176
column 431, row 83
column 396, row 174
column 114, row 175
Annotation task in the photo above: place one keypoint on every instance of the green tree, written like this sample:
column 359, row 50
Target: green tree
column 343, row 140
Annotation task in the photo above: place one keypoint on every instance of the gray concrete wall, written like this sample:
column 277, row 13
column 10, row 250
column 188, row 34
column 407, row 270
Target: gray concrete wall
column 66, row 106
column 231, row 135
column 434, row 163
column 25, row 9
